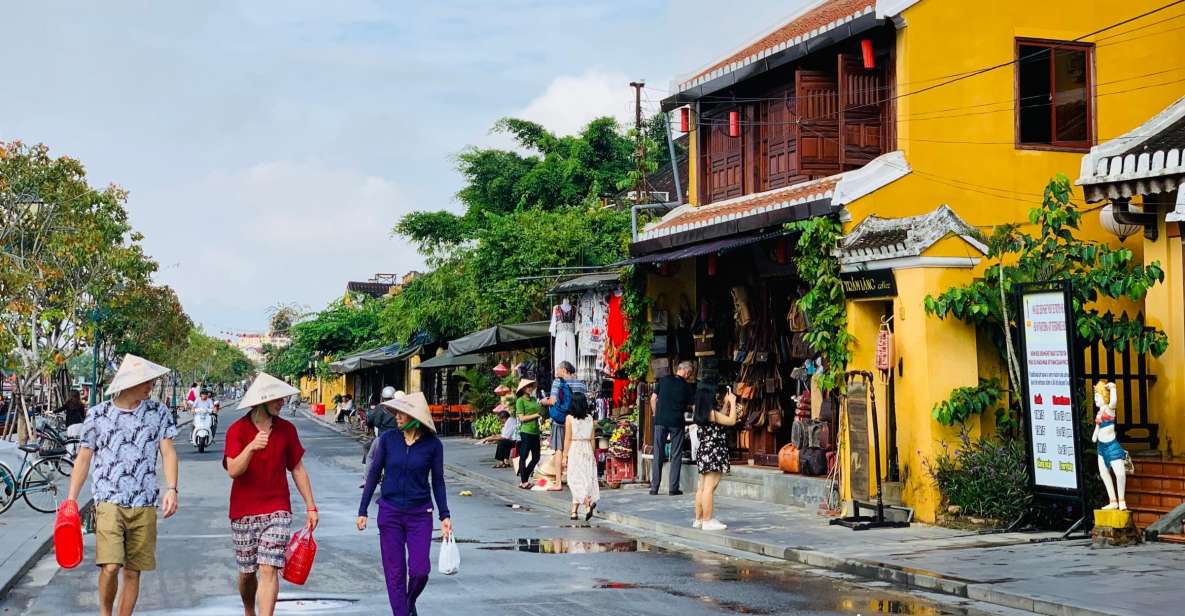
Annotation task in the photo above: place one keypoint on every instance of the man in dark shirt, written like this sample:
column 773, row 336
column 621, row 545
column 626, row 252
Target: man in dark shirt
column 672, row 396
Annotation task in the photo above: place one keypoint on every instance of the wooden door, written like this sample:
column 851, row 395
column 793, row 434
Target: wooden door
column 816, row 103
column 778, row 143
column 724, row 161
column 861, row 122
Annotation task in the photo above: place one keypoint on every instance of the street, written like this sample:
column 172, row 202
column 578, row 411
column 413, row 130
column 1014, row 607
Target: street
column 515, row 560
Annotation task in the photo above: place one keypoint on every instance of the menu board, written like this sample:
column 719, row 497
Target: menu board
column 1050, row 390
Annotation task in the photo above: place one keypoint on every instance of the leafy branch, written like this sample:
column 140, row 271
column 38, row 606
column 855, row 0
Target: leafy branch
column 824, row 304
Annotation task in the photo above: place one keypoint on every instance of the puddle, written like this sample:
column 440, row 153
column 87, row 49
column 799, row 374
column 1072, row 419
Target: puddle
column 730, row 606
column 569, row 546
column 311, row 605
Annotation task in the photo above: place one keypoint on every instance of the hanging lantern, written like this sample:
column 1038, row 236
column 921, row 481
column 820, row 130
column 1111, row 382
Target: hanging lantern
column 866, row 51
column 501, row 370
column 1119, row 229
column 685, row 119
column 734, row 124
column 712, row 265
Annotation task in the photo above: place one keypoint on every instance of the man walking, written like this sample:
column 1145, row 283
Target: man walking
column 122, row 438
column 672, row 396
column 379, row 421
column 563, row 387
column 261, row 448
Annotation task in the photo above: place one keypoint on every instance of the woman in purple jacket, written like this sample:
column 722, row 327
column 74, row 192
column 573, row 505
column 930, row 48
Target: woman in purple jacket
column 405, row 460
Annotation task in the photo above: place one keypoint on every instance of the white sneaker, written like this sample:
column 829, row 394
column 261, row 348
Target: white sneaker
column 713, row 524
column 697, row 524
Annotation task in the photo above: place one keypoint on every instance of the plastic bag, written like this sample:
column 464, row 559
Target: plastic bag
column 450, row 556
column 298, row 557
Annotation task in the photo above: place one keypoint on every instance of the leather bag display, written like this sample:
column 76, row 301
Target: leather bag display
column 788, row 459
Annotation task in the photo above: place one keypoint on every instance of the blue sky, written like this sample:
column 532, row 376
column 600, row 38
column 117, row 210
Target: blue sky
column 270, row 146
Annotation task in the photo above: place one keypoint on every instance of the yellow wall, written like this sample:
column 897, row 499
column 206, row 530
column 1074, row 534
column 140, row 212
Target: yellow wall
column 1165, row 306
column 693, row 160
column 322, row 390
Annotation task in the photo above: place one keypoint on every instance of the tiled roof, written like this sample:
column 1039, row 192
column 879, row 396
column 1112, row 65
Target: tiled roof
column 813, row 21
column 876, row 238
column 373, row 289
column 835, row 191
column 1148, row 159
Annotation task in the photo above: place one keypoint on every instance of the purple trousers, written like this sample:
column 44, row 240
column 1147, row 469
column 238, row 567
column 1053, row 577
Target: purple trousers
column 405, row 539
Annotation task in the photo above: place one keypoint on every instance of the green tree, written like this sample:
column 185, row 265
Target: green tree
column 1095, row 271
column 337, row 330
column 211, row 360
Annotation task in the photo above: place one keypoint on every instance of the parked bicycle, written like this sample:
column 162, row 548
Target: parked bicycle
column 51, row 437
column 43, row 483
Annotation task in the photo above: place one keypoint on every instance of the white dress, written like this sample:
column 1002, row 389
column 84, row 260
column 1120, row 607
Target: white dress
column 563, row 331
column 582, row 464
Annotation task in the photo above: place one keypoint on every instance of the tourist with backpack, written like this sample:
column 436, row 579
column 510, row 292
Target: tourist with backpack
column 563, row 389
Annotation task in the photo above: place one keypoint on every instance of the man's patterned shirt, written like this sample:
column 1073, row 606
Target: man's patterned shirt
column 125, row 446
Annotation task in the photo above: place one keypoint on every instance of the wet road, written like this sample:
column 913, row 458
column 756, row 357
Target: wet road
column 515, row 561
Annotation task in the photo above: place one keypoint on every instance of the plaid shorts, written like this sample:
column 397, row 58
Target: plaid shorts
column 261, row 540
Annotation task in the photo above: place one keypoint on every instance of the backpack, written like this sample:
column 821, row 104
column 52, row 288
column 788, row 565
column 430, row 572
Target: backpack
column 559, row 410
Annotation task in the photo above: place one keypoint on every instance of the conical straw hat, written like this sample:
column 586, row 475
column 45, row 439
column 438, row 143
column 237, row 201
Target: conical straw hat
column 522, row 384
column 415, row 405
column 133, row 371
column 266, row 388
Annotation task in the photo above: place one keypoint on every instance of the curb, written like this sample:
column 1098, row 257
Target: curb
column 900, row 576
column 15, row 568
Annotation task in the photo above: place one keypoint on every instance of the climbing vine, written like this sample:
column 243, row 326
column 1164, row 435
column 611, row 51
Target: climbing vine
column 967, row 401
column 636, row 306
column 823, row 305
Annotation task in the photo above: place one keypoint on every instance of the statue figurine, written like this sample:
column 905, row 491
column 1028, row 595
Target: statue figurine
column 1112, row 457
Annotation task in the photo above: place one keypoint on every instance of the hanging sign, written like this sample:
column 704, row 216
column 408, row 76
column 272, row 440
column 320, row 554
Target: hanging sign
column 1047, row 335
column 868, row 284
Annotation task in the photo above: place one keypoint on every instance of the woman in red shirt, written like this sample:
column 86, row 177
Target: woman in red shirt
column 261, row 448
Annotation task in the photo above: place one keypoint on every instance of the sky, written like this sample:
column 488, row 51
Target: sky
column 270, row 146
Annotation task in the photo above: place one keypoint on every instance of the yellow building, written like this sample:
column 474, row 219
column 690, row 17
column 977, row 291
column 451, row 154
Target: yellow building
column 920, row 124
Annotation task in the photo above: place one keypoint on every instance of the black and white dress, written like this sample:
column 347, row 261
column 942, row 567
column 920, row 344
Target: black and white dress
column 713, row 449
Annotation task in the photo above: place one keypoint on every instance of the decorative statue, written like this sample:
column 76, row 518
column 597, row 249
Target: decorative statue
column 1112, row 457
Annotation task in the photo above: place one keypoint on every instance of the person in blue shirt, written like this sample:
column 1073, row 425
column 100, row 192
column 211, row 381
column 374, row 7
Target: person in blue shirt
column 410, row 463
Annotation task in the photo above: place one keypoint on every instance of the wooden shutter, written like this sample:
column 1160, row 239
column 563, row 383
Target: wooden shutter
column 724, row 161
column 862, row 122
column 816, row 104
column 779, row 144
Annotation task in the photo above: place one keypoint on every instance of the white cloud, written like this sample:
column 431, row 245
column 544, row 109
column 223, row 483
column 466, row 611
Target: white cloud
column 276, row 231
column 569, row 102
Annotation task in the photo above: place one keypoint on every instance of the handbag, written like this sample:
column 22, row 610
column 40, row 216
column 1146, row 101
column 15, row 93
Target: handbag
column 298, row 557
column 705, row 342
column 740, row 302
column 884, row 348
column 795, row 319
column 799, row 347
column 813, row 462
column 788, row 459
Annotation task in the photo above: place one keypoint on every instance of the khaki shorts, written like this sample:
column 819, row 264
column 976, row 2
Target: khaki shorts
column 125, row 536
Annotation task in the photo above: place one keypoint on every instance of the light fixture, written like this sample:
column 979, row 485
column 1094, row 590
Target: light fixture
column 1119, row 229
column 685, row 119
column 734, row 124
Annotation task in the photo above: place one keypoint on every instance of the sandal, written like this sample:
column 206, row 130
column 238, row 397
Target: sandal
column 575, row 514
column 589, row 514
column 525, row 486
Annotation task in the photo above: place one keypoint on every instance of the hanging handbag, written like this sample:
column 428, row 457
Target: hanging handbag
column 740, row 302
column 795, row 320
column 773, row 414
column 799, row 347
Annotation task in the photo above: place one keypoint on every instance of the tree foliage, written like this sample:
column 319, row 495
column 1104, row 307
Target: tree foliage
column 211, row 360
column 1095, row 271
column 823, row 303
column 337, row 330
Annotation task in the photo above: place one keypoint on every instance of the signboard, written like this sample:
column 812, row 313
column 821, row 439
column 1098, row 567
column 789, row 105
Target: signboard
column 872, row 283
column 1047, row 334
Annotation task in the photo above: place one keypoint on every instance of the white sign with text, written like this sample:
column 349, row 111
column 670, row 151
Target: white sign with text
column 1050, row 403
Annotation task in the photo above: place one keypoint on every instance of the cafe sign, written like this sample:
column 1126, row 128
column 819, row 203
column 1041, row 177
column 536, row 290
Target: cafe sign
column 869, row 284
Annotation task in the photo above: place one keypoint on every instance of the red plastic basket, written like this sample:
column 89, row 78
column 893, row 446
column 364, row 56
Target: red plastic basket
column 298, row 558
column 67, row 535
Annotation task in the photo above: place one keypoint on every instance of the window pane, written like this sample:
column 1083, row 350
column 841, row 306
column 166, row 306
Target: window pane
column 1073, row 118
column 1035, row 90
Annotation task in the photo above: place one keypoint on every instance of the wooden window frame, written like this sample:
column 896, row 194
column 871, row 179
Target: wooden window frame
column 1091, row 118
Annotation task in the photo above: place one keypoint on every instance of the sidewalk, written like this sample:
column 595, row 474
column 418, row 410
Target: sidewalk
column 27, row 535
column 1026, row 571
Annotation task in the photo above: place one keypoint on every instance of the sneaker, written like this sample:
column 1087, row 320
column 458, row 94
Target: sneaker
column 713, row 524
column 676, row 492
column 697, row 524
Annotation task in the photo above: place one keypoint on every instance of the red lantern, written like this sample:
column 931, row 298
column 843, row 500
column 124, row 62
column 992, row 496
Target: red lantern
column 734, row 124
column 501, row 370
column 866, row 50
column 685, row 119
column 712, row 265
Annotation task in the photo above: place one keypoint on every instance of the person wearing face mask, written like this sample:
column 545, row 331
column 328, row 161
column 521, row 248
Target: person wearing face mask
column 409, row 462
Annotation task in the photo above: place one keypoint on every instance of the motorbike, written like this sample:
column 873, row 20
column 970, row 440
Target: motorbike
column 202, row 435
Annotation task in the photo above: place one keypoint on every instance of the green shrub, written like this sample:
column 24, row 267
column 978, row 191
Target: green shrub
column 986, row 478
column 486, row 425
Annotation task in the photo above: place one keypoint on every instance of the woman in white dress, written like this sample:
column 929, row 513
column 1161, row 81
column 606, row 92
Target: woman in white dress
column 579, row 459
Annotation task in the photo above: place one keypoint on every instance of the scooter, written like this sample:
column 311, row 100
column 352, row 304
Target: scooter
column 203, row 429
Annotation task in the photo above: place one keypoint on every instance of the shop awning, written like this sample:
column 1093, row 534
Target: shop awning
column 448, row 360
column 707, row 248
column 373, row 358
column 588, row 282
column 503, row 338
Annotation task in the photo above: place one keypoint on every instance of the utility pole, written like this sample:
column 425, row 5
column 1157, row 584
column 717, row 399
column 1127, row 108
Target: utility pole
column 640, row 151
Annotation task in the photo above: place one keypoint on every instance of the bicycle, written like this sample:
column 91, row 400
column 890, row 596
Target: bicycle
column 41, row 483
column 51, row 437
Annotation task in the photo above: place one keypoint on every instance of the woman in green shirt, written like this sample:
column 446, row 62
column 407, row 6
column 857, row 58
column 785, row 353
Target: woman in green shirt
column 528, row 410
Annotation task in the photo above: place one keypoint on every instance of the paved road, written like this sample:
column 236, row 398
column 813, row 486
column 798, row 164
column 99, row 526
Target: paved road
column 515, row 561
